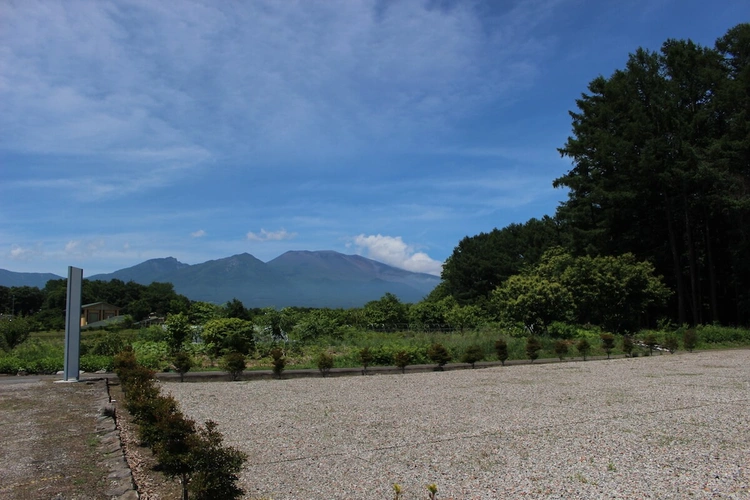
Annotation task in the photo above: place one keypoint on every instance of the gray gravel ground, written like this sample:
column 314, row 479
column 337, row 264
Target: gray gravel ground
column 670, row 426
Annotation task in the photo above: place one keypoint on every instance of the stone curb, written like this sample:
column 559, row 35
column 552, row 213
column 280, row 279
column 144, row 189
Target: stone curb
column 121, row 485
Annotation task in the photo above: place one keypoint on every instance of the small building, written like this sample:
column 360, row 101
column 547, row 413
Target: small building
column 98, row 311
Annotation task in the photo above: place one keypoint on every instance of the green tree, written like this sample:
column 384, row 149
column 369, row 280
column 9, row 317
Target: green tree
column 481, row 263
column 236, row 309
column 534, row 301
column 463, row 317
column 659, row 153
column 229, row 334
column 387, row 311
column 178, row 331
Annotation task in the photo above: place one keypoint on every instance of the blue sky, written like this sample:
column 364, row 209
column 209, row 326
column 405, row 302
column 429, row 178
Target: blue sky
column 132, row 130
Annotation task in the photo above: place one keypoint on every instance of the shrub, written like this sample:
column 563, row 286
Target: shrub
column 402, row 359
column 689, row 339
column 325, row 363
column 10, row 365
column 651, row 342
column 365, row 357
column 182, row 362
column 671, row 343
column 438, row 354
column 108, row 344
column 627, row 345
column 473, row 354
column 14, row 330
column 278, row 360
column 45, row 366
column 93, row 363
column 608, row 343
column 561, row 348
column 501, row 348
column 216, row 467
column 584, row 347
column 533, row 346
column 234, row 364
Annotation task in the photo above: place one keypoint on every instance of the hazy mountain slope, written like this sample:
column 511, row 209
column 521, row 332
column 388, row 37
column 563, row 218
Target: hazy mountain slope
column 145, row 272
column 39, row 280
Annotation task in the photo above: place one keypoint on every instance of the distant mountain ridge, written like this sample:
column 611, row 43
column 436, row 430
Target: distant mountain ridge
column 295, row 278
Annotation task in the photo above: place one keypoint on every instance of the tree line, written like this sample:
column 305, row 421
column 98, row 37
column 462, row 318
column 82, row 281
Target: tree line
column 660, row 155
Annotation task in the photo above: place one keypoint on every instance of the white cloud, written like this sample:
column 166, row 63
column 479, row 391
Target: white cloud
column 72, row 246
column 198, row 234
column 393, row 251
column 20, row 253
column 264, row 235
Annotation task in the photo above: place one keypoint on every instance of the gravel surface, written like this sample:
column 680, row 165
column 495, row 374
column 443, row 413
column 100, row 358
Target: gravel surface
column 670, row 426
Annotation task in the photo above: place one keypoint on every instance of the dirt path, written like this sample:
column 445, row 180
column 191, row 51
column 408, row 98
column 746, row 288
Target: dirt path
column 49, row 445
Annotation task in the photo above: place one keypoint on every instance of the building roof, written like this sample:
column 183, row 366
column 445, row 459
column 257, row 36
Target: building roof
column 102, row 304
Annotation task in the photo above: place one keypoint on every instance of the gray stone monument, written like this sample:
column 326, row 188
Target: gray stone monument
column 73, row 325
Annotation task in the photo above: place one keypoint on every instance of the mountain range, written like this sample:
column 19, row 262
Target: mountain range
column 296, row 278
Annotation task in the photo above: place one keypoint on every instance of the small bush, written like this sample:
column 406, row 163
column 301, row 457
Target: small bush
column 608, row 343
column 93, row 363
column 279, row 361
column 473, row 354
column 365, row 357
column 234, row 364
column 182, row 362
column 501, row 348
column 45, row 366
column 651, row 341
column 10, row 365
column 561, row 348
column 325, row 363
column 671, row 343
column 439, row 355
column 584, row 347
column 628, row 345
column 533, row 346
column 14, row 330
column 402, row 359
column 689, row 339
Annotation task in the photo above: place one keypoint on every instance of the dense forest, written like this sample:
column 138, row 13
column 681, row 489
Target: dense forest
column 656, row 225
column 660, row 157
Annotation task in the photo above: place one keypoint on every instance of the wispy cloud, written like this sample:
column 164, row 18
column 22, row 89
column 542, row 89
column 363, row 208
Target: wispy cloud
column 264, row 235
column 198, row 234
column 276, row 78
column 394, row 251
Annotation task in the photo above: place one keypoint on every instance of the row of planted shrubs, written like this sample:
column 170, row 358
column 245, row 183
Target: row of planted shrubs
column 234, row 363
column 192, row 454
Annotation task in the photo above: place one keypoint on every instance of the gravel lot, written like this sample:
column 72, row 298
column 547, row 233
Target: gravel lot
column 670, row 426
